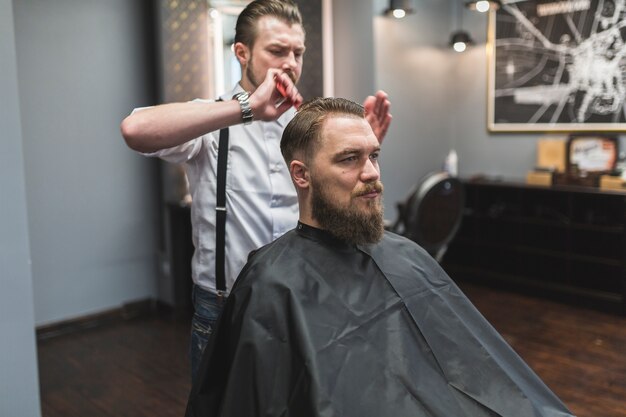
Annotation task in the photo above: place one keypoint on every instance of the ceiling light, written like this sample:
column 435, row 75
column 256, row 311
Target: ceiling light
column 483, row 5
column 460, row 40
column 399, row 8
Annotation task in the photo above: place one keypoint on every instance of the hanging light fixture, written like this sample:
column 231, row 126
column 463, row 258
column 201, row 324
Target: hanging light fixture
column 399, row 8
column 483, row 6
column 460, row 39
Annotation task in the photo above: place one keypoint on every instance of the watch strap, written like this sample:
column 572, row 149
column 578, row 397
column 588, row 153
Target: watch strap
column 246, row 111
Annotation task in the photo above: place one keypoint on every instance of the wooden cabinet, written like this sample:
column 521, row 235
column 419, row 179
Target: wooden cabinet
column 567, row 243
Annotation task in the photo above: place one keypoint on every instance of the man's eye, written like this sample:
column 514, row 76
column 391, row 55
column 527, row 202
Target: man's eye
column 374, row 156
column 277, row 52
column 349, row 159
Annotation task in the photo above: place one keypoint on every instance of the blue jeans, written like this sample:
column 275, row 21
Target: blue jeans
column 207, row 308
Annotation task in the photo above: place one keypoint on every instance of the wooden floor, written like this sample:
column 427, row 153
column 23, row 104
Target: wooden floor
column 140, row 367
column 131, row 369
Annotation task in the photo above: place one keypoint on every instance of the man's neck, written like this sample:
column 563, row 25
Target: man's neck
column 307, row 218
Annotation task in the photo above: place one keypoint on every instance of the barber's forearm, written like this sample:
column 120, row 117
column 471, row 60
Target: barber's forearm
column 168, row 125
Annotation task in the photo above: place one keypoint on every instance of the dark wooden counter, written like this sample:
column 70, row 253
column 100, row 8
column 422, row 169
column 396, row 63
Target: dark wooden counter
column 563, row 242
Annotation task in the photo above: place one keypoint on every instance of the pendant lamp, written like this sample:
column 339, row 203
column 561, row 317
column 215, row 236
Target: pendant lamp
column 399, row 8
column 483, row 6
column 460, row 39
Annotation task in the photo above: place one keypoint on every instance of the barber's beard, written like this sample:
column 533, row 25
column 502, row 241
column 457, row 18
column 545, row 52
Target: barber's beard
column 253, row 80
column 250, row 75
column 351, row 224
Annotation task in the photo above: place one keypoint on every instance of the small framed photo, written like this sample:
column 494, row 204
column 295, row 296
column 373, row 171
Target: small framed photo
column 591, row 154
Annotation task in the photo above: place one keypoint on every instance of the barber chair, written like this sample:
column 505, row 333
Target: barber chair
column 432, row 213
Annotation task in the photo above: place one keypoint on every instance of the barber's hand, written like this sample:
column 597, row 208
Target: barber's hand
column 377, row 114
column 274, row 96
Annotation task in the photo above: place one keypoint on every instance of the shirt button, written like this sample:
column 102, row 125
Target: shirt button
column 276, row 167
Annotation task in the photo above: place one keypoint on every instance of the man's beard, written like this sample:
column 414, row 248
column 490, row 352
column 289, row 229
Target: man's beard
column 350, row 224
column 250, row 75
column 255, row 83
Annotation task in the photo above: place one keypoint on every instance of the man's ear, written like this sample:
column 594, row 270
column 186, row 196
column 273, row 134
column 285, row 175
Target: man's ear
column 299, row 174
column 242, row 53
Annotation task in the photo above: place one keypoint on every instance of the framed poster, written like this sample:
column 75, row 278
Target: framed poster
column 557, row 65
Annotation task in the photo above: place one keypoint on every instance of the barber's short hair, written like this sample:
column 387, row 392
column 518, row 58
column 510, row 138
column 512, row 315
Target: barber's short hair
column 302, row 135
column 246, row 27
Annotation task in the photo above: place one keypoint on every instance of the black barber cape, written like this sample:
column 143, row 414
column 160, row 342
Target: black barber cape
column 316, row 327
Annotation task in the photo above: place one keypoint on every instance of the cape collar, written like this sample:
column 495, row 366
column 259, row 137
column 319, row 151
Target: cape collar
column 323, row 236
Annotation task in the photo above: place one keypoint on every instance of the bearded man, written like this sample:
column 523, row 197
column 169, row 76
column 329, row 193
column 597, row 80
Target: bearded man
column 339, row 317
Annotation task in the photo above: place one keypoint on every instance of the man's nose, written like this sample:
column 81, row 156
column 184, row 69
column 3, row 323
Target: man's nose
column 289, row 64
column 370, row 171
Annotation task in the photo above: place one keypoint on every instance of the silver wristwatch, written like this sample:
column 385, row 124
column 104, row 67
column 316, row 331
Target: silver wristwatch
column 246, row 111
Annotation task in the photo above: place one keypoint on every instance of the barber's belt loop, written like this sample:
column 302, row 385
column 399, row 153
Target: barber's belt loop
column 221, row 296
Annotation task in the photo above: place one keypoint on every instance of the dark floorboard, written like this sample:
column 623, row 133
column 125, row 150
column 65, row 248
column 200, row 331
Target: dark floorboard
column 140, row 367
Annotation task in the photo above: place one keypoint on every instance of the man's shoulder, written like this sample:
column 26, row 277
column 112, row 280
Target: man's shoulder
column 270, row 262
column 401, row 244
column 395, row 252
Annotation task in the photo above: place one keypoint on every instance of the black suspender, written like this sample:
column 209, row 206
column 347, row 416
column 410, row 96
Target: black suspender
column 220, row 213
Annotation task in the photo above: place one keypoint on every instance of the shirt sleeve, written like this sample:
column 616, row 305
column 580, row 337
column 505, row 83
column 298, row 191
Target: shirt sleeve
column 181, row 153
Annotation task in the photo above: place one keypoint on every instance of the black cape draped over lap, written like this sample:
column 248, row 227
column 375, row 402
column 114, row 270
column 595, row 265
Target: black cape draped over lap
column 316, row 327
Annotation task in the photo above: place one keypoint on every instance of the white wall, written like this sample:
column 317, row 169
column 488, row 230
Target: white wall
column 93, row 206
column 19, row 386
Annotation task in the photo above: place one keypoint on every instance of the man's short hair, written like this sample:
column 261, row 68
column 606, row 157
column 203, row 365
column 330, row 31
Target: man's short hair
column 302, row 134
column 246, row 27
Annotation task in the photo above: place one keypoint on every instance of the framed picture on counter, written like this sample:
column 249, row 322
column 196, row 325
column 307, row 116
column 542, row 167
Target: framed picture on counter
column 591, row 154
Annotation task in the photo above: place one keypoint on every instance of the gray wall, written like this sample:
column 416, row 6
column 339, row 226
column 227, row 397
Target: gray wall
column 19, row 390
column 353, row 53
column 413, row 67
column 480, row 152
column 92, row 203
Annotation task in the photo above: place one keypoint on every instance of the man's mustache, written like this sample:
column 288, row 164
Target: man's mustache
column 376, row 186
column 291, row 75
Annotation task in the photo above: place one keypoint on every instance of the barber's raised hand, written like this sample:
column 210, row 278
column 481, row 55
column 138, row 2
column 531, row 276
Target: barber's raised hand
column 274, row 96
column 377, row 114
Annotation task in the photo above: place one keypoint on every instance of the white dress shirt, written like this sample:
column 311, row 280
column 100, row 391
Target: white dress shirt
column 261, row 200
